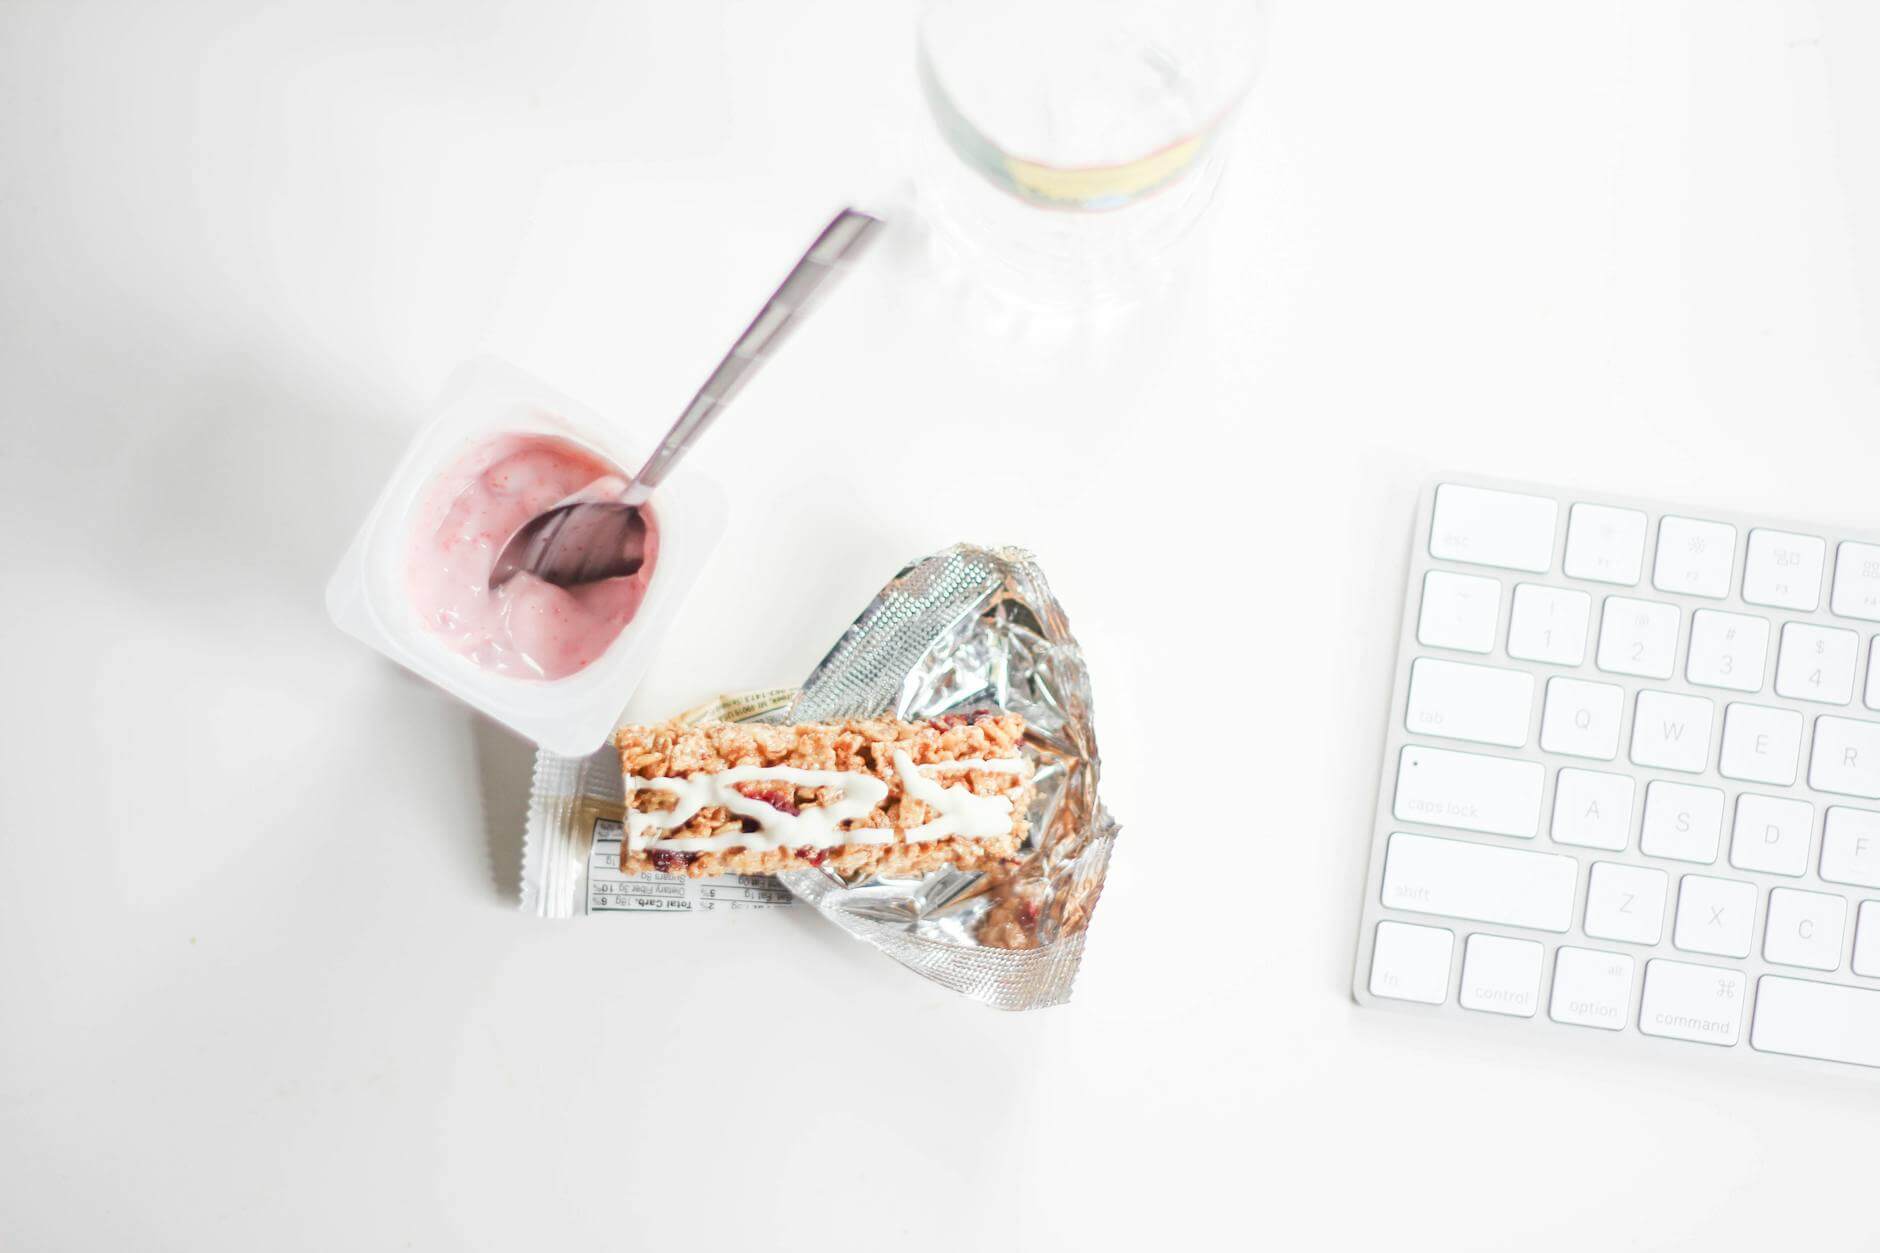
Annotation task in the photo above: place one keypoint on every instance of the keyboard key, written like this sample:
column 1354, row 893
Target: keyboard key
column 1850, row 847
column 1727, row 650
column 1760, row 744
column 1804, row 929
column 1605, row 544
column 1638, row 637
column 1581, row 719
column 1873, row 674
column 1771, row 834
column 1445, row 789
column 1694, row 557
column 1714, row 916
column 1626, row 903
column 1591, row 988
column 1817, row 663
column 1549, row 624
column 1783, row 571
column 1672, row 732
column 1846, row 760
column 1806, row 1019
column 1687, row 1002
column 1592, row 809
column 1682, row 821
column 1500, row 975
column 1857, row 582
column 1411, row 963
column 1481, row 882
column 1461, row 701
column 1867, row 941
column 1459, row 611
column 1493, row 528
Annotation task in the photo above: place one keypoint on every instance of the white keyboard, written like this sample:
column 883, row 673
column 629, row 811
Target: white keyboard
column 1631, row 787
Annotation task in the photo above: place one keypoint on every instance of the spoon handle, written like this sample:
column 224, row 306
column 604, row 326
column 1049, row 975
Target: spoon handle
column 845, row 236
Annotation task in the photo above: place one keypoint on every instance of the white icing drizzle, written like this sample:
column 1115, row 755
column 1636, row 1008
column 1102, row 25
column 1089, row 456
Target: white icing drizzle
column 958, row 810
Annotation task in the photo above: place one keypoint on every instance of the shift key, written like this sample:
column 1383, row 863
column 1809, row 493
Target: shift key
column 1481, row 882
column 1469, row 791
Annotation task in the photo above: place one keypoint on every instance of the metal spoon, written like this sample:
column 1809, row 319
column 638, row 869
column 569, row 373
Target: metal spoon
column 585, row 542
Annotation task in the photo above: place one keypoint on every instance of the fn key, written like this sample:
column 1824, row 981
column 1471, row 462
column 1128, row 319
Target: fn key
column 1411, row 963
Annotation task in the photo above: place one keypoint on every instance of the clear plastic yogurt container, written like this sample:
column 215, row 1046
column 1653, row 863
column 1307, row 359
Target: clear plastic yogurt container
column 370, row 598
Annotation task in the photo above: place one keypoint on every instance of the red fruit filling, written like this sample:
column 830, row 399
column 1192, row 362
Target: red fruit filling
column 776, row 795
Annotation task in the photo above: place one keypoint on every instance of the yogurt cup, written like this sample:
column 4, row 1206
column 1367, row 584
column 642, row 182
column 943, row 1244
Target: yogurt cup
column 370, row 597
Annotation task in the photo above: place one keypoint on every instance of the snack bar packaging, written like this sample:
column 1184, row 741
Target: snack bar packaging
column 964, row 630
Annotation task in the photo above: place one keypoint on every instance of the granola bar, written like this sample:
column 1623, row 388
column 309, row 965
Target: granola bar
column 873, row 795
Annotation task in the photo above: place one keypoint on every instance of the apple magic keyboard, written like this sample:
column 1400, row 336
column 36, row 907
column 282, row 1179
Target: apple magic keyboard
column 1631, row 786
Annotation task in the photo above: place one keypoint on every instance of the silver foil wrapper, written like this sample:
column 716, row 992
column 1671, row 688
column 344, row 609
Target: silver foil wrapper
column 966, row 629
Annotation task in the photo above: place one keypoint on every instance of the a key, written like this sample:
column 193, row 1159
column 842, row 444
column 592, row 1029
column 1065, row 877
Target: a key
column 1466, row 790
column 1626, row 903
column 1694, row 557
column 1481, row 882
column 1459, row 611
column 1760, row 744
column 1857, row 582
column 1548, row 624
column 1783, row 571
column 1605, row 544
column 1817, row 663
column 1846, row 759
column 1638, row 637
column 1715, row 916
column 1683, row 1001
column 1807, row 1019
column 1493, row 528
column 1873, row 674
column 1671, row 731
column 1804, row 929
column 1500, row 975
column 1411, row 963
column 1727, row 650
column 1581, row 718
column 1850, row 847
column 1682, row 820
column 1592, row 809
column 1460, row 701
column 1867, row 941
column 1771, row 834
column 1591, row 988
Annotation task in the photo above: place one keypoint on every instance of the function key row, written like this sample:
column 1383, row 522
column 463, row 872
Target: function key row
column 1693, row 557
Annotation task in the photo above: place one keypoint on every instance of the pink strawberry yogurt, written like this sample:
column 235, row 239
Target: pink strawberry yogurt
column 527, row 629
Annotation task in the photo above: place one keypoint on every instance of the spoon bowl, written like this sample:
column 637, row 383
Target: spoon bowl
column 585, row 541
column 579, row 543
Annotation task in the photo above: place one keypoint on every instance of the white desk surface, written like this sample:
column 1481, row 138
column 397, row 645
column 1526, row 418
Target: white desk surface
column 262, row 981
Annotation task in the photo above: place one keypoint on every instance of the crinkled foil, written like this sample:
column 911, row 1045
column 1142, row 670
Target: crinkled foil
column 971, row 628
column 966, row 629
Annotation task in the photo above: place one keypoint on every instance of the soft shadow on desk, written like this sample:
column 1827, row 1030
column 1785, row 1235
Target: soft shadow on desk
column 1374, row 596
column 505, row 768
